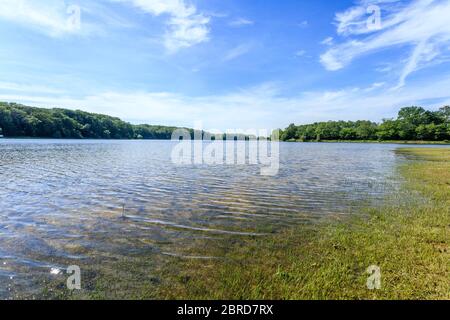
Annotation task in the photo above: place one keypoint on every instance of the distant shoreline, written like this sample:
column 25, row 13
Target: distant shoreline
column 414, row 125
column 418, row 142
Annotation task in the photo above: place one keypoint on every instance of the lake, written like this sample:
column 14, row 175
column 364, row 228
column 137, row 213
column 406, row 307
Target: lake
column 80, row 202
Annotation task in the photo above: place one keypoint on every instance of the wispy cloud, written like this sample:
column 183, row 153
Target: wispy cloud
column 238, row 51
column 186, row 27
column 327, row 41
column 421, row 24
column 240, row 22
column 28, row 88
column 53, row 18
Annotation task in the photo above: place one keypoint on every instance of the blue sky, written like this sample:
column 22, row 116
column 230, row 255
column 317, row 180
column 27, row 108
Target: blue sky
column 232, row 64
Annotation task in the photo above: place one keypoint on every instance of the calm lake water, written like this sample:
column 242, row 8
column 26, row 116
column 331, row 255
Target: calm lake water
column 76, row 201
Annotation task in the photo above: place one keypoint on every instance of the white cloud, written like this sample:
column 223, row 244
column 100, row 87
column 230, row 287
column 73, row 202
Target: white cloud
column 350, row 20
column 14, row 87
column 421, row 24
column 375, row 86
column 185, row 27
column 53, row 18
column 385, row 67
column 327, row 41
column 237, row 51
column 261, row 107
column 240, row 22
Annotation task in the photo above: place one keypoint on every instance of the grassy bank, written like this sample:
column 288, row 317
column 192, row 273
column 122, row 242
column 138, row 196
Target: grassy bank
column 409, row 242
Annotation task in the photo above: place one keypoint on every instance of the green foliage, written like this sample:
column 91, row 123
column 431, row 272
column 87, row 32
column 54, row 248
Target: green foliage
column 21, row 121
column 146, row 131
column 412, row 123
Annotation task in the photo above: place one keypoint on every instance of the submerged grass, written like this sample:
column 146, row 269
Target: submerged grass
column 408, row 241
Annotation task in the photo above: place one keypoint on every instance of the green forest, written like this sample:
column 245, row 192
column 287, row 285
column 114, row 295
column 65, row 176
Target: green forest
column 412, row 124
column 21, row 121
column 18, row 121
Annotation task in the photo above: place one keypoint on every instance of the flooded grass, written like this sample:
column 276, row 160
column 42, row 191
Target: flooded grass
column 408, row 240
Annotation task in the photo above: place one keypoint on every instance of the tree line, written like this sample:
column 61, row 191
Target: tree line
column 17, row 121
column 412, row 123
column 22, row 121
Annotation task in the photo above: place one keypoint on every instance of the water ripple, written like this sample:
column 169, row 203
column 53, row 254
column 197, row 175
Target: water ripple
column 66, row 201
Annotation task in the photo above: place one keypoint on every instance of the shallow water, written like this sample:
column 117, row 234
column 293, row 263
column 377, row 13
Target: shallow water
column 107, row 200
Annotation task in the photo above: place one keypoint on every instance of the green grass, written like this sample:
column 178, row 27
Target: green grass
column 408, row 241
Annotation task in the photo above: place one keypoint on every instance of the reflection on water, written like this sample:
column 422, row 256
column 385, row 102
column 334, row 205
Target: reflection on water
column 104, row 200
